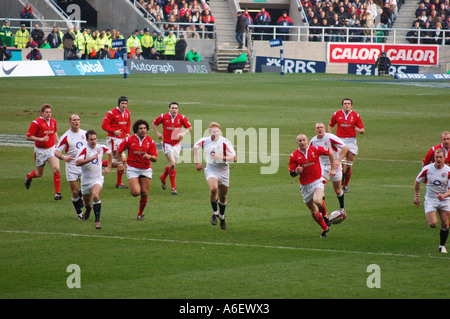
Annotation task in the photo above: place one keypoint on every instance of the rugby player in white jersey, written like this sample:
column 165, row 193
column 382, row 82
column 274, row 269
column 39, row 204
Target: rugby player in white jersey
column 90, row 159
column 218, row 153
column 340, row 152
column 437, row 178
column 71, row 142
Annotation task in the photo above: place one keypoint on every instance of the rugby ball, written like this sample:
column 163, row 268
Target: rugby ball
column 337, row 217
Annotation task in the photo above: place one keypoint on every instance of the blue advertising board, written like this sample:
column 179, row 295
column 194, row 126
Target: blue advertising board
column 275, row 43
column 291, row 65
column 87, row 67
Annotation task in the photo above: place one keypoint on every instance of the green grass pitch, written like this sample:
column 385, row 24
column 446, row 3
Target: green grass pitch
column 271, row 248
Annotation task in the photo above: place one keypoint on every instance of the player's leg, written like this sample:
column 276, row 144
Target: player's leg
column 54, row 163
column 97, row 204
column 77, row 201
column 39, row 159
column 172, row 159
column 444, row 216
column 144, row 183
column 314, row 203
column 223, row 191
column 213, row 185
column 87, row 197
column 432, row 219
column 339, row 193
column 347, row 170
column 123, row 159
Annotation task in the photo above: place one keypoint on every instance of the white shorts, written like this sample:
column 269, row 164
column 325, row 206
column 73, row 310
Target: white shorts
column 351, row 143
column 222, row 175
column 41, row 155
column 86, row 186
column 113, row 142
column 73, row 172
column 326, row 173
column 175, row 149
column 133, row 172
column 434, row 205
column 308, row 189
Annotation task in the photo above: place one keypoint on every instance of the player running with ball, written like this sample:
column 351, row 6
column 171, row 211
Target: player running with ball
column 305, row 162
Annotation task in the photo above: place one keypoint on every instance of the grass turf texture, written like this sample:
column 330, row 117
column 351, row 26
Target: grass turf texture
column 271, row 248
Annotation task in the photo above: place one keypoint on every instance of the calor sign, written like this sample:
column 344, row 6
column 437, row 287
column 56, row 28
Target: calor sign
column 368, row 53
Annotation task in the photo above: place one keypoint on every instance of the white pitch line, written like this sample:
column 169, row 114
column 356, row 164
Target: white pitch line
column 176, row 241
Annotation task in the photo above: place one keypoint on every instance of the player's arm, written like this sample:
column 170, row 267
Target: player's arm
column 56, row 138
column 332, row 163
column 294, row 168
column 197, row 162
column 331, row 124
column 416, row 193
column 153, row 153
column 108, row 166
column 359, row 127
column 186, row 132
column 61, row 156
column 83, row 161
column 31, row 134
column 155, row 128
column 342, row 154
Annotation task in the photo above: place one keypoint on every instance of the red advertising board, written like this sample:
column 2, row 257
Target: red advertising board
column 368, row 53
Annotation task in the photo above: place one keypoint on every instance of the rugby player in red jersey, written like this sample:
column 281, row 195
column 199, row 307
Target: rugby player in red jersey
column 117, row 124
column 305, row 162
column 172, row 123
column 43, row 132
column 141, row 152
column 348, row 124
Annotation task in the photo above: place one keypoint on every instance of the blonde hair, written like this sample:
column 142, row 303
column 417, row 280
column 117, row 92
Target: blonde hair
column 214, row 124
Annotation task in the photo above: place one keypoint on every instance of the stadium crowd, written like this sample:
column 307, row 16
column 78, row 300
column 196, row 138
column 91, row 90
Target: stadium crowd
column 431, row 24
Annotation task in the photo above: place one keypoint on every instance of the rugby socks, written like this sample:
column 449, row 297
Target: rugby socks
column 222, row 207
column 444, row 236
column 319, row 220
column 142, row 204
column 347, row 174
column 214, row 206
column 119, row 178
column 323, row 208
column 172, row 174
column 57, row 181
column 78, row 204
column 32, row 175
column 97, row 209
column 341, row 200
column 164, row 175
column 104, row 163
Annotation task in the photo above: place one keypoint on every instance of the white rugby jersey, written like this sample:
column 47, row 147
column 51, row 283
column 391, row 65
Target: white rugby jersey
column 72, row 143
column 332, row 142
column 92, row 170
column 437, row 180
column 221, row 147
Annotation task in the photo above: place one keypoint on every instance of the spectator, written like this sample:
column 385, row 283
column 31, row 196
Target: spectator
column 248, row 19
column 262, row 18
column 326, row 30
column 26, row 13
column 208, row 20
column 438, row 34
column 204, row 6
column 102, row 42
column 168, row 8
column 180, row 48
column 194, row 7
column 184, row 10
column 133, row 43
column 5, row 53
column 74, row 53
column 34, row 54
column 284, row 21
column 80, row 40
column 154, row 55
column 6, row 29
column 159, row 45
column 357, row 33
column 137, row 54
column 383, row 63
column 315, row 31
column 21, row 37
column 146, row 43
column 38, row 35
column 412, row 36
column 240, row 30
column 193, row 56
column 238, row 63
column 54, row 39
column 31, row 43
column 103, row 53
column 170, row 42
column 68, row 40
column 45, row 45
column 191, row 32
